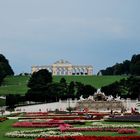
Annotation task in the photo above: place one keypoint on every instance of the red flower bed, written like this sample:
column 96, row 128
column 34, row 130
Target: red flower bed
column 51, row 123
column 3, row 119
column 33, row 114
column 91, row 138
column 127, row 131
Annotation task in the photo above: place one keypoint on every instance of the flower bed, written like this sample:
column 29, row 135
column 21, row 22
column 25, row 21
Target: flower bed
column 34, row 114
column 51, row 123
column 3, row 119
column 39, row 133
column 73, row 116
column 127, row 131
column 125, row 118
column 91, row 138
column 101, row 125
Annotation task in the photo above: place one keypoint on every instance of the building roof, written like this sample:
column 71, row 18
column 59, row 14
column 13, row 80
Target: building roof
column 61, row 61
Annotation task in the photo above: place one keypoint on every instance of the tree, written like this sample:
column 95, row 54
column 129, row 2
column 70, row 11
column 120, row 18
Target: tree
column 4, row 64
column 127, row 67
column 38, row 86
column 85, row 90
column 40, row 79
column 126, row 88
column 55, row 91
column 5, row 68
column 71, row 90
column 63, row 82
column 118, row 69
column 88, row 90
column 12, row 100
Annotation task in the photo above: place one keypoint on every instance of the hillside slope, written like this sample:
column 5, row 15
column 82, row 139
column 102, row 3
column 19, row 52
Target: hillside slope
column 18, row 84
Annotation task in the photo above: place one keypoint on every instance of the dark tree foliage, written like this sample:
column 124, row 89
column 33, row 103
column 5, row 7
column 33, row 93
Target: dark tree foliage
column 78, row 86
column 135, row 65
column 12, row 100
column 88, row 90
column 63, row 82
column 39, row 85
column 126, row 88
column 112, row 89
column 56, row 91
column 40, row 79
column 71, row 90
column 42, row 89
column 5, row 68
column 131, row 67
column 85, row 90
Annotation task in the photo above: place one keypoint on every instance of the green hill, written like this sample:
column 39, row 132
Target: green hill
column 17, row 84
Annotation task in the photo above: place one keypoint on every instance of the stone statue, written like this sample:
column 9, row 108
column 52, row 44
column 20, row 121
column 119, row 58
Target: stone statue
column 117, row 98
column 98, row 90
column 110, row 98
column 91, row 98
column 99, row 96
column 81, row 98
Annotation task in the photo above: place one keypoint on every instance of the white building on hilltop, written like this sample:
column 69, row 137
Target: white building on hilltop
column 63, row 67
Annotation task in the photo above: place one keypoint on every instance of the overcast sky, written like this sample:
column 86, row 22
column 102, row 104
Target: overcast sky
column 96, row 32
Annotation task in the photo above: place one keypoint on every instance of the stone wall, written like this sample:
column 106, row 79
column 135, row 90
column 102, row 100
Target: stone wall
column 99, row 105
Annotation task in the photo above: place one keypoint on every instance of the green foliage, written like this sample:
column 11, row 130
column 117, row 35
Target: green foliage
column 2, row 102
column 126, row 68
column 41, row 87
column 125, row 88
column 12, row 100
column 5, row 68
column 71, row 90
column 40, row 79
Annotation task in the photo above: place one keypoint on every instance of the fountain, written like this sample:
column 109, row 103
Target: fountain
column 100, row 102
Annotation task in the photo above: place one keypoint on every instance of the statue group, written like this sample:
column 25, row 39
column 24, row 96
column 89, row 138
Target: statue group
column 100, row 96
column 100, row 102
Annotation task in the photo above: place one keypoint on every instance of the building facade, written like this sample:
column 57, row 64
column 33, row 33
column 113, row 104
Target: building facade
column 63, row 67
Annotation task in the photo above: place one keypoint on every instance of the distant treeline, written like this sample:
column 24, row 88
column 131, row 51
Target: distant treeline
column 5, row 68
column 128, row 67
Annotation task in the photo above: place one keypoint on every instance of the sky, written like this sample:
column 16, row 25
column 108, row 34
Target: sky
column 100, row 33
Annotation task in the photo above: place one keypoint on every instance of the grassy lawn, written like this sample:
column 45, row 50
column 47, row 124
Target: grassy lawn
column 18, row 84
column 96, row 81
column 14, row 85
column 6, row 127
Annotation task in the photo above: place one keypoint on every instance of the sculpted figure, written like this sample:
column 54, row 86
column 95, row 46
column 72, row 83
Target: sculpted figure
column 110, row 98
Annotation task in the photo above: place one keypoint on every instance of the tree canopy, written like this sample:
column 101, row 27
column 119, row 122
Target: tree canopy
column 126, row 88
column 5, row 68
column 128, row 67
column 40, row 79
